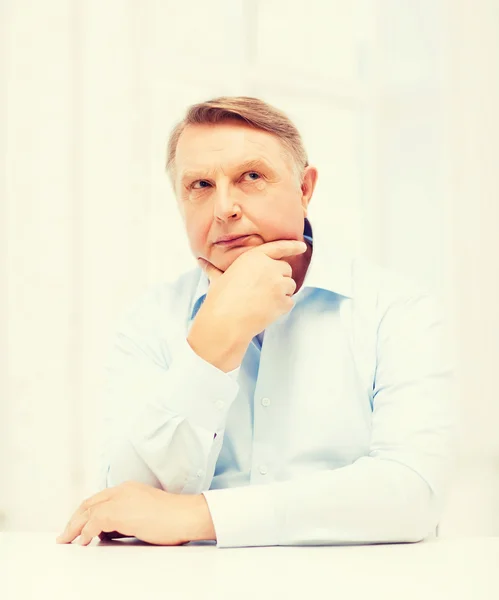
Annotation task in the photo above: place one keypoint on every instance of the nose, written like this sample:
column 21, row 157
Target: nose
column 226, row 207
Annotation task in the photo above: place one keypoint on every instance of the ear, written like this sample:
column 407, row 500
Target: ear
column 310, row 175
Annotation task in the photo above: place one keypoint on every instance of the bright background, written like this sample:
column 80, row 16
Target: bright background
column 397, row 103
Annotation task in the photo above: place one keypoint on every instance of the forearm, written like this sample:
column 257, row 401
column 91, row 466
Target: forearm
column 223, row 345
column 371, row 501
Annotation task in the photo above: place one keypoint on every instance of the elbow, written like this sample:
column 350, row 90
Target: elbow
column 415, row 508
column 413, row 513
column 417, row 520
column 409, row 525
column 418, row 531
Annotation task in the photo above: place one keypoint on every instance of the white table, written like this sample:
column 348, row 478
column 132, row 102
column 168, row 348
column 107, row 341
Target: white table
column 33, row 566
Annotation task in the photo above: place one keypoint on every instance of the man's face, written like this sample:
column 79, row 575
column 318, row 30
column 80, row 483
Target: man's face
column 232, row 179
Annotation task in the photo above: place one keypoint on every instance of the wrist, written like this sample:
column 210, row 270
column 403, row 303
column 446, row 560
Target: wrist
column 202, row 527
column 219, row 344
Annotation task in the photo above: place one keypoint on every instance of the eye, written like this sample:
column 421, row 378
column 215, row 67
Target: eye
column 192, row 186
column 258, row 176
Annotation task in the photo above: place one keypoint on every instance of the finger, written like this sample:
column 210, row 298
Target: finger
column 286, row 268
column 101, row 496
column 289, row 286
column 211, row 271
column 73, row 529
column 96, row 524
column 281, row 248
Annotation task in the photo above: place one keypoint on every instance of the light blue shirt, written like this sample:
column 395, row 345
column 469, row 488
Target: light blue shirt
column 337, row 429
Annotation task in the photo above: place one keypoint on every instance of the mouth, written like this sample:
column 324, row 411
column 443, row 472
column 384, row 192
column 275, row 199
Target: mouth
column 233, row 242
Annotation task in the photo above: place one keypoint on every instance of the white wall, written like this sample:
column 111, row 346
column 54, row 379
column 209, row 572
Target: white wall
column 394, row 113
column 472, row 140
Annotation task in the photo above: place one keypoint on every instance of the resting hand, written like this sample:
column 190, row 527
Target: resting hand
column 134, row 509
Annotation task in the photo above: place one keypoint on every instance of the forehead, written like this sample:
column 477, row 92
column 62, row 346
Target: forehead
column 227, row 144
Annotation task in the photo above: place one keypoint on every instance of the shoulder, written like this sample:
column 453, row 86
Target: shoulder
column 159, row 303
column 387, row 301
column 377, row 288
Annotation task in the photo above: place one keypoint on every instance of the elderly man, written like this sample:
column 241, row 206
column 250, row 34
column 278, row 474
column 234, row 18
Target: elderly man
column 281, row 392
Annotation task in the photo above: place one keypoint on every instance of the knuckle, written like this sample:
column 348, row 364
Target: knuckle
column 86, row 503
column 105, row 522
column 277, row 290
column 97, row 518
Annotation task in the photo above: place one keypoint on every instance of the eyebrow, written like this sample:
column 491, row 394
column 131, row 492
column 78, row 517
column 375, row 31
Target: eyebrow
column 247, row 165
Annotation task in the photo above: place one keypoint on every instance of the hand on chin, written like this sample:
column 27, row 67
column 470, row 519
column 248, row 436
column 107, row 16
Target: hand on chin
column 223, row 259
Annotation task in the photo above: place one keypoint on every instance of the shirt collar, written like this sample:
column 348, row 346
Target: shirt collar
column 329, row 269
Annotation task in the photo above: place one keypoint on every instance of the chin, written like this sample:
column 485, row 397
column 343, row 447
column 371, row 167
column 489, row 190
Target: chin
column 226, row 257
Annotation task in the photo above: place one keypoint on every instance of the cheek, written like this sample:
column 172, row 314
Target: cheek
column 198, row 234
column 281, row 230
column 284, row 222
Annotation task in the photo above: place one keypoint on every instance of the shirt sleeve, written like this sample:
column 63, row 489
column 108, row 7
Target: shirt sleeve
column 164, row 419
column 395, row 493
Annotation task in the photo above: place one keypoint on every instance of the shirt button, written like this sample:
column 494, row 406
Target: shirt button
column 265, row 401
column 200, row 473
column 219, row 404
column 263, row 469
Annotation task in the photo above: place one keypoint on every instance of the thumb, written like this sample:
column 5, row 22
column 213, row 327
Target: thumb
column 211, row 271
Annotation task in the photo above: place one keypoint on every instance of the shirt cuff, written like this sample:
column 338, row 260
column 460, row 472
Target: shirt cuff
column 244, row 516
column 204, row 393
